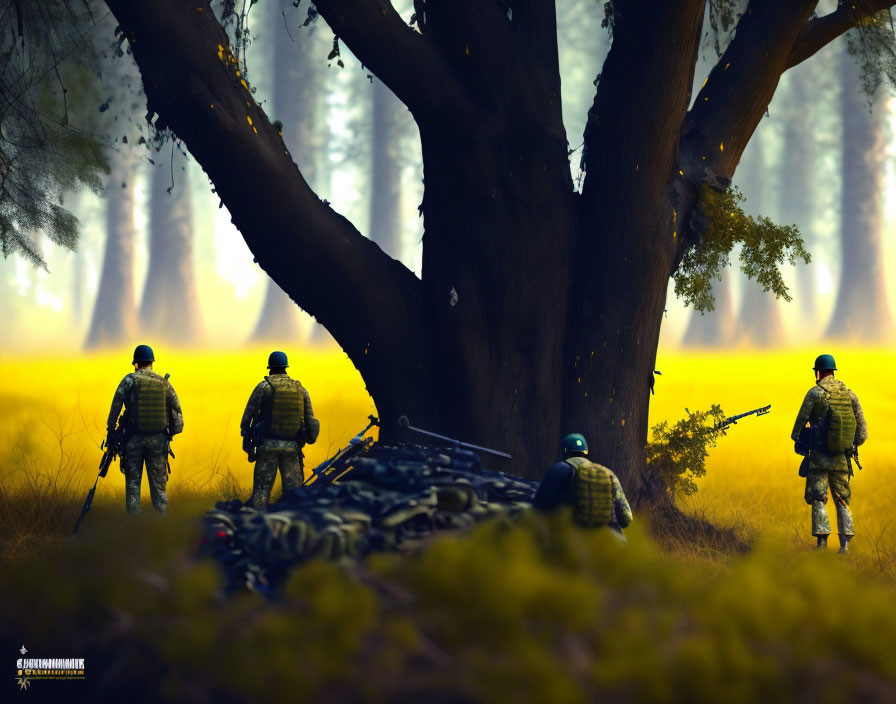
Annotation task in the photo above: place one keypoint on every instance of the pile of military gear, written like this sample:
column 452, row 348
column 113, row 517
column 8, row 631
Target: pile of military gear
column 369, row 497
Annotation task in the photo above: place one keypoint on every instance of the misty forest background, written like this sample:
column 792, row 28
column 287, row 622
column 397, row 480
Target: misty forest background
column 159, row 259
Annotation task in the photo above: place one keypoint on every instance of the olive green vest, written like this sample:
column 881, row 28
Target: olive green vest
column 287, row 409
column 835, row 415
column 150, row 401
column 592, row 491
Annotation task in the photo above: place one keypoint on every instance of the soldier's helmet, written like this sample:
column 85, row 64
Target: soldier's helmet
column 825, row 362
column 143, row 353
column 574, row 443
column 277, row 359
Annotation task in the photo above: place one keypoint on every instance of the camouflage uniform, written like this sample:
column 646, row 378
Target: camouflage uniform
column 556, row 489
column 273, row 452
column 823, row 470
column 144, row 448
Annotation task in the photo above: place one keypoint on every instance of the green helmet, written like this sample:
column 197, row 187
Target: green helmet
column 143, row 353
column 277, row 359
column 825, row 362
column 574, row 443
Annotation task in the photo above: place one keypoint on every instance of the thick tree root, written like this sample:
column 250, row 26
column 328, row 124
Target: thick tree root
column 673, row 528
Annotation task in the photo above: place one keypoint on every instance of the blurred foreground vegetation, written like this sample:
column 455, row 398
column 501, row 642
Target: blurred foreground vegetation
column 540, row 611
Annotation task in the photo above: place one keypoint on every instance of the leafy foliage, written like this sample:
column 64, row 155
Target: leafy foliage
column 873, row 44
column 764, row 247
column 43, row 49
column 678, row 452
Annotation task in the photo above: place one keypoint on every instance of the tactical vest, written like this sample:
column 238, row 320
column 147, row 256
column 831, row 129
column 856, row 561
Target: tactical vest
column 592, row 492
column 149, row 401
column 838, row 422
column 287, row 407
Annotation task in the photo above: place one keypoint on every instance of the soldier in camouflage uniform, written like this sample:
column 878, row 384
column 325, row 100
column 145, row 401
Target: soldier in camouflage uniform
column 277, row 423
column 591, row 489
column 822, row 469
column 152, row 417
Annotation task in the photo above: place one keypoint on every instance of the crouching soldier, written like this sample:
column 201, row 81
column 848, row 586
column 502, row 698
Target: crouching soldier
column 152, row 416
column 592, row 490
column 277, row 423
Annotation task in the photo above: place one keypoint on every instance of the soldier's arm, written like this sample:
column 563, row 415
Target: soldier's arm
column 311, row 424
column 554, row 488
column 252, row 408
column 175, row 413
column 118, row 401
column 861, row 424
column 620, row 504
column 805, row 410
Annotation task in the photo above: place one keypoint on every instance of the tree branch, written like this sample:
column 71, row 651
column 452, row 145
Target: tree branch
column 820, row 31
column 639, row 118
column 400, row 57
column 368, row 301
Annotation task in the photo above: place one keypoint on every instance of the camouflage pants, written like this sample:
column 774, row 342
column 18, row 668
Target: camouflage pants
column 149, row 450
column 817, row 483
column 274, row 454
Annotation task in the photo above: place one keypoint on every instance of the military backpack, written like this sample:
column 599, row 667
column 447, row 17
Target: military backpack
column 592, row 491
column 150, row 401
column 838, row 427
column 287, row 408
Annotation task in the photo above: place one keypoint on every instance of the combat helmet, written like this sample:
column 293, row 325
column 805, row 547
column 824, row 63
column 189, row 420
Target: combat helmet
column 824, row 363
column 143, row 353
column 277, row 359
column 574, row 443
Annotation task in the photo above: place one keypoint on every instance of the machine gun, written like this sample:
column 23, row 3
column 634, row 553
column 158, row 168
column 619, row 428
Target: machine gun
column 403, row 423
column 113, row 447
column 732, row 420
column 355, row 446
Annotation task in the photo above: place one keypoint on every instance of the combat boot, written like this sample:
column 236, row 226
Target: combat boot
column 821, row 542
column 844, row 544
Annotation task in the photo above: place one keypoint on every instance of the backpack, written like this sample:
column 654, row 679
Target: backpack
column 287, row 409
column 592, row 492
column 150, row 398
column 838, row 428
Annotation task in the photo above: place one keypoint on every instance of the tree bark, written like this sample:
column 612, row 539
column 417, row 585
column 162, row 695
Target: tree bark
column 115, row 310
column 170, row 305
column 862, row 312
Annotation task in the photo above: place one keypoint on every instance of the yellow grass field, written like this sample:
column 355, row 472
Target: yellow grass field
column 53, row 411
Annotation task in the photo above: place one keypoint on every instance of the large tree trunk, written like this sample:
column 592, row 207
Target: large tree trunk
column 862, row 311
column 115, row 311
column 539, row 308
column 759, row 322
column 170, row 306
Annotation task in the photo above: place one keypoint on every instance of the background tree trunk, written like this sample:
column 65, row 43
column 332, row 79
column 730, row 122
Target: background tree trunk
column 759, row 321
column 296, row 103
column 170, row 303
column 795, row 182
column 862, row 311
column 385, row 176
column 115, row 311
column 714, row 328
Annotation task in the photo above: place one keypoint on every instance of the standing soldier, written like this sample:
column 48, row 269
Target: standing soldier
column 829, row 426
column 591, row 489
column 151, row 418
column 277, row 423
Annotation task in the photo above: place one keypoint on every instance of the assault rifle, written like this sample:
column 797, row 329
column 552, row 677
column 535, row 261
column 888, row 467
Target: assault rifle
column 852, row 455
column 403, row 423
column 113, row 446
column 355, row 446
column 732, row 420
